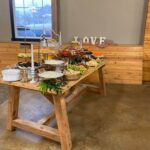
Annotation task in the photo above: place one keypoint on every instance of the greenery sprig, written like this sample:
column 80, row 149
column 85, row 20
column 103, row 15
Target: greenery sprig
column 55, row 85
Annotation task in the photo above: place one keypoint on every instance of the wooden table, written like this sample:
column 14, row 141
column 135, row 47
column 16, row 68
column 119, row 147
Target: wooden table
column 60, row 102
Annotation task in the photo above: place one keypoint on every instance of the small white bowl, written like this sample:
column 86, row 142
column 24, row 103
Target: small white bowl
column 11, row 74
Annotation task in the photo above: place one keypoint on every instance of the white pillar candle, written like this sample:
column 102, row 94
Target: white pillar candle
column 32, row 57
column 32, row 65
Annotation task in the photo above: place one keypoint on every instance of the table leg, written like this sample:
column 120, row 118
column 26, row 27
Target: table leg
column 13, row 104
column 102, row 85
column 62, row 122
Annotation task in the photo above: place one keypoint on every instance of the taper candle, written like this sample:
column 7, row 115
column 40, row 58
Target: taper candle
column 32, row 65
column 32, row 57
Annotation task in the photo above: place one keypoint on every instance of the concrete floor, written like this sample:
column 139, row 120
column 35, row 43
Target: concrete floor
column 3, row 93
column 119, row 121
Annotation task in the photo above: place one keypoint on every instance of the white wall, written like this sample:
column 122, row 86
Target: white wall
column 5, row 27
column 120, row 20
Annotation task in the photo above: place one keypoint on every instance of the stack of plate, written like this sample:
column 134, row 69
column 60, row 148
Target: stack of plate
column 11, row 75
column 51, row 75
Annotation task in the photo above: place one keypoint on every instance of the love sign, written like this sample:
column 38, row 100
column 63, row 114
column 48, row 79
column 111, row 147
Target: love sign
column 89, row 40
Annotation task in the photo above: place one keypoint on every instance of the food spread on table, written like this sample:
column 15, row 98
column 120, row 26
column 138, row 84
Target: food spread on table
column 68, row 64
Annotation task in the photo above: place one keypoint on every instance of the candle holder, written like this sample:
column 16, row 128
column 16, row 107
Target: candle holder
column 32, row 76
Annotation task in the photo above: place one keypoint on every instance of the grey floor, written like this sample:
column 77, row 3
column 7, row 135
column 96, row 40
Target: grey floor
column 119, row 121
column 3, row 93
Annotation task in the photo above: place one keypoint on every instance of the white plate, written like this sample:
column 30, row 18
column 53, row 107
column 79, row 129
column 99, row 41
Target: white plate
column 50, row 75
column 54, row 62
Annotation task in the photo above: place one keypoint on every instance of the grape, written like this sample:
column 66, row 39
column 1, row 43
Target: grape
column 80, row 68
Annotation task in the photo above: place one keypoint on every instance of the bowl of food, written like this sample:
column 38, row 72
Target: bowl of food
column 11, row 75
column 72, row 74
column 92, row 63
column 98, row 54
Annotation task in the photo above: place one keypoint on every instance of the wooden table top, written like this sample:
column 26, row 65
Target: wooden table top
column 69, row 85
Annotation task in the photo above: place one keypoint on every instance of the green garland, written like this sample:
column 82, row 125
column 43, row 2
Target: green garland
column 55, row 85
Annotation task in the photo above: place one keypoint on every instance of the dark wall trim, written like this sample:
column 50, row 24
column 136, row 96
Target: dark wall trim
column 55, row 21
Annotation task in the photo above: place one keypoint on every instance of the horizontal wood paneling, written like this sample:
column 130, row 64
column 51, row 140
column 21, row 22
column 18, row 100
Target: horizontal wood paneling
column 146, row 63
column 124, row 64
column 9, row 51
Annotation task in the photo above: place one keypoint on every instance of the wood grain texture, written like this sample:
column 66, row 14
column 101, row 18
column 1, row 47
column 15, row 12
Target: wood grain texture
column 9, row 52
column 70, row 102
column 146, row 62
column 62, row 122
column 13, row 104
column 38, row 129
column 124, row 64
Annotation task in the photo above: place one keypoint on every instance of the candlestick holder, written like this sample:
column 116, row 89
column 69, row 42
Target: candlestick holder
column 32, row 76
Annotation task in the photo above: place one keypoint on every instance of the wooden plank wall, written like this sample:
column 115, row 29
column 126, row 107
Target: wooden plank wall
column 8, row 53
column 146, row 63
column 123, row 64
